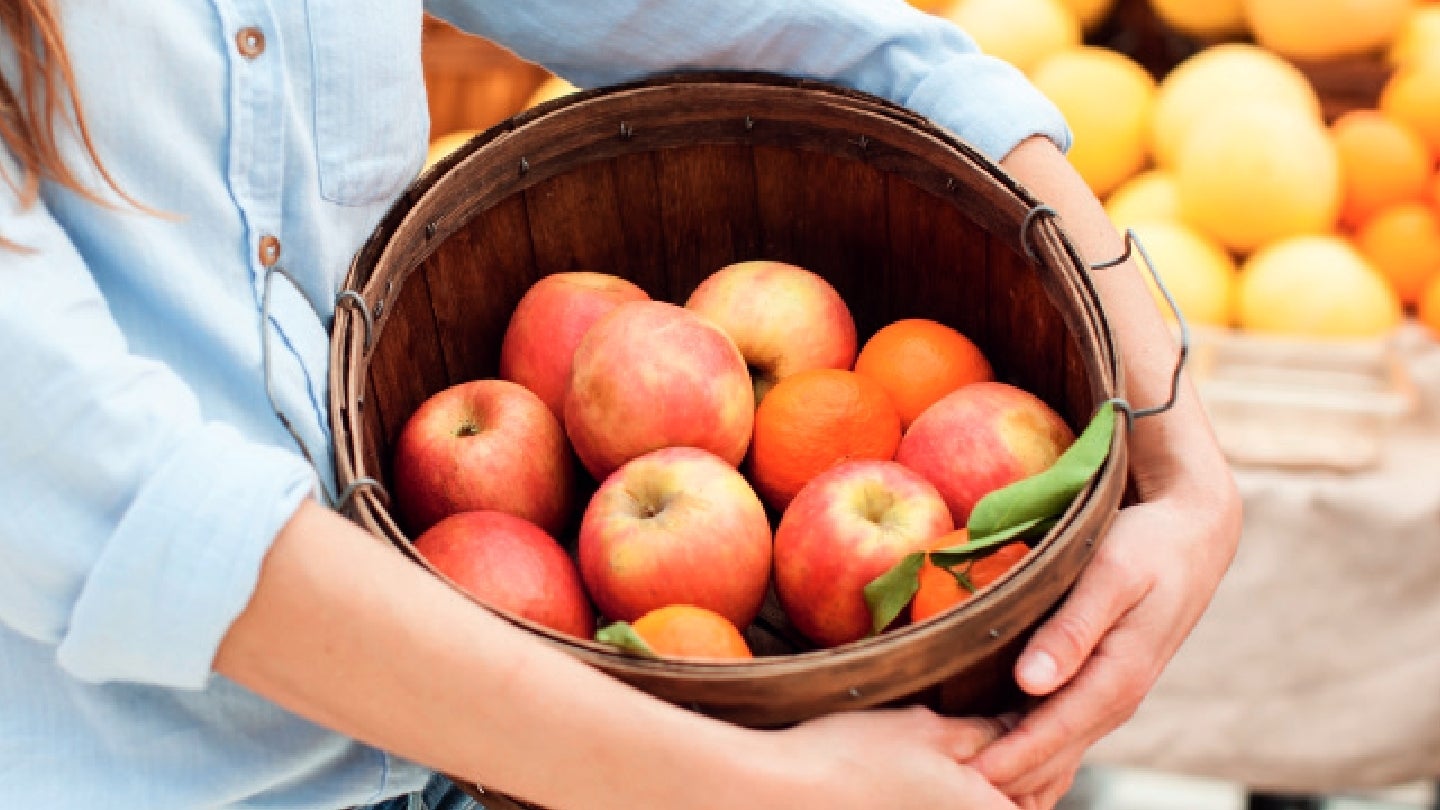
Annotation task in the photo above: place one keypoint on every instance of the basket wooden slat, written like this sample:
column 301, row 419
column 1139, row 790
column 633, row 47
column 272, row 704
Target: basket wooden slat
column 666, row 181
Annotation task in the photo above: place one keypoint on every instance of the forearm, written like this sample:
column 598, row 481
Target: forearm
column 346, row 632
column 1176, row 448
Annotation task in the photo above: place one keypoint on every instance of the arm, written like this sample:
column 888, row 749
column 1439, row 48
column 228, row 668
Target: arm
column 1163, row 558
column 381, row 650
column 884, row 47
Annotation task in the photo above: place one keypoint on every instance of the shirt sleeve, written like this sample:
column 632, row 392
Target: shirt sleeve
column 131, row 529
column 883, row 47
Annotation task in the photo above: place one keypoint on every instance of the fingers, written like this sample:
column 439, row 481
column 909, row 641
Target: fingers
column 966, row 737
column 1106, row 693
column 1108, row 587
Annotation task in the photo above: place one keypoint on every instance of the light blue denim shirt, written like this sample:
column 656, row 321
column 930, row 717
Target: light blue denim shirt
column 143, row 473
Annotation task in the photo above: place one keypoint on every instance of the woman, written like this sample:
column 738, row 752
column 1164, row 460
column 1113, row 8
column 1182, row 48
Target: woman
column 177, row 627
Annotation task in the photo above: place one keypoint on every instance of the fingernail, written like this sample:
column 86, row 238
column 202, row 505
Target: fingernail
column 1037, row 671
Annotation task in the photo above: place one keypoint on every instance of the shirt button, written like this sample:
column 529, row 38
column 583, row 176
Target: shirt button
column 250, row 42
column 269, row 251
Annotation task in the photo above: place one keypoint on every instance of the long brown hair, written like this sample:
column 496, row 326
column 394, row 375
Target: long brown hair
column 44, row 101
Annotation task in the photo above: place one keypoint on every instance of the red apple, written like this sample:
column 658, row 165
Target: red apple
column 651, row 375
column 783, row 319
column 547, row 325
column 980, row 438
column 510, row 564
column 483, row 444
column 676, row 526
column 848, row 526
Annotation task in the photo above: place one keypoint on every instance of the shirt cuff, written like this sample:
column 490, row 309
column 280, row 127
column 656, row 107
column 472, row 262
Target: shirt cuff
column 989, row 104
column 183, row 562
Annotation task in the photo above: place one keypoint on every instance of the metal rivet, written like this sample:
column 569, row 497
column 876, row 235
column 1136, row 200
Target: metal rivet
column 626, row 131
column 524, row 166
column 749, row 124
column 430, row 230
column 855, row 693
column 863, row 142
column 994, row 633
column 379, row 308
column 360, row 403
column 1090, row 541
column 949, row 184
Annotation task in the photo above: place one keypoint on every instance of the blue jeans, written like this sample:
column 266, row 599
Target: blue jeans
column 439, row 794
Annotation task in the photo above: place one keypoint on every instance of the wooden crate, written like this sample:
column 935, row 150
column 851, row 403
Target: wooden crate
column 472, row 83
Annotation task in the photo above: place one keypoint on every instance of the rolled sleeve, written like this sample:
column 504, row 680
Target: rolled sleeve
column 182, row 562
column 134, row 524
column 883, row 47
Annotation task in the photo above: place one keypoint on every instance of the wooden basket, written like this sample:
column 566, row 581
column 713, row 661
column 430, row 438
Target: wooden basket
column 666, row 181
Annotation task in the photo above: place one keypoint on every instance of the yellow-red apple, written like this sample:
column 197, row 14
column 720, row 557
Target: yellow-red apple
column 676, row 526
column 848, row 526
column 651, row 375
column 511, row 564
column 783, row 319
column 548, row 323
column 483, row 444
column 980, row 438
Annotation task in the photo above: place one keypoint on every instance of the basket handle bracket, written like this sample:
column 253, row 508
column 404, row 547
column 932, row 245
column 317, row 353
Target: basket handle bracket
column 1132, row 245
column 340, row 502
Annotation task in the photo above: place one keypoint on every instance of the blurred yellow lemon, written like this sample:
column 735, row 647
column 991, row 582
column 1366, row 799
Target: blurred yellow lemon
column 1419, row 37
column 1022, row 32
column 1199, row 274
column 1090, row 13
column 1217, row 77
column 447, row 143
column 1326, row 29
column 552, row 88
column 1315, row 286
column 1150, row 196
column 1255, row 174
column 1206, row 19
column 1107, row 98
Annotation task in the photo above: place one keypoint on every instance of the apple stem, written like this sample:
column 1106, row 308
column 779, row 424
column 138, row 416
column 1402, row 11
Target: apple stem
column 467, row 429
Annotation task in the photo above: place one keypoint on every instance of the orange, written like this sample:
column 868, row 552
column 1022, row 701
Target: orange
column 1382, row 162
column 813, row 420
column 1403, row 243
column 687, row 631
column 1412, row 96
column 941, row 590
column 918, row 361
column 1429, row 309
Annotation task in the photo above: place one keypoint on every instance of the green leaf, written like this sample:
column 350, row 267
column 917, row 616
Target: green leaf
column 954, row 555
column 622, row 635
column 889, row 593
column 962, row 578
column 1046, row 495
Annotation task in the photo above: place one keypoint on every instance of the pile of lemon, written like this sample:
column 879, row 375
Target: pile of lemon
column 1259, row 213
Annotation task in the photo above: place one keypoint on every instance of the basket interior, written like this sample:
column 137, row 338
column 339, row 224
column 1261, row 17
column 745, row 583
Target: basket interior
column 666, row 220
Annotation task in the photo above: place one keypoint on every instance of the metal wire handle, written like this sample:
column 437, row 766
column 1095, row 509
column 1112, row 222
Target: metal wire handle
column 1132, row 244
column 340, row 502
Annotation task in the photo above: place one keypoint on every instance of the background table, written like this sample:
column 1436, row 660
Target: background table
column 1317, row 666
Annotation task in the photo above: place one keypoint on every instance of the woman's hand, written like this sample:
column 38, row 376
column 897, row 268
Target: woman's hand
column 897, row 758
column 1146, row 587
